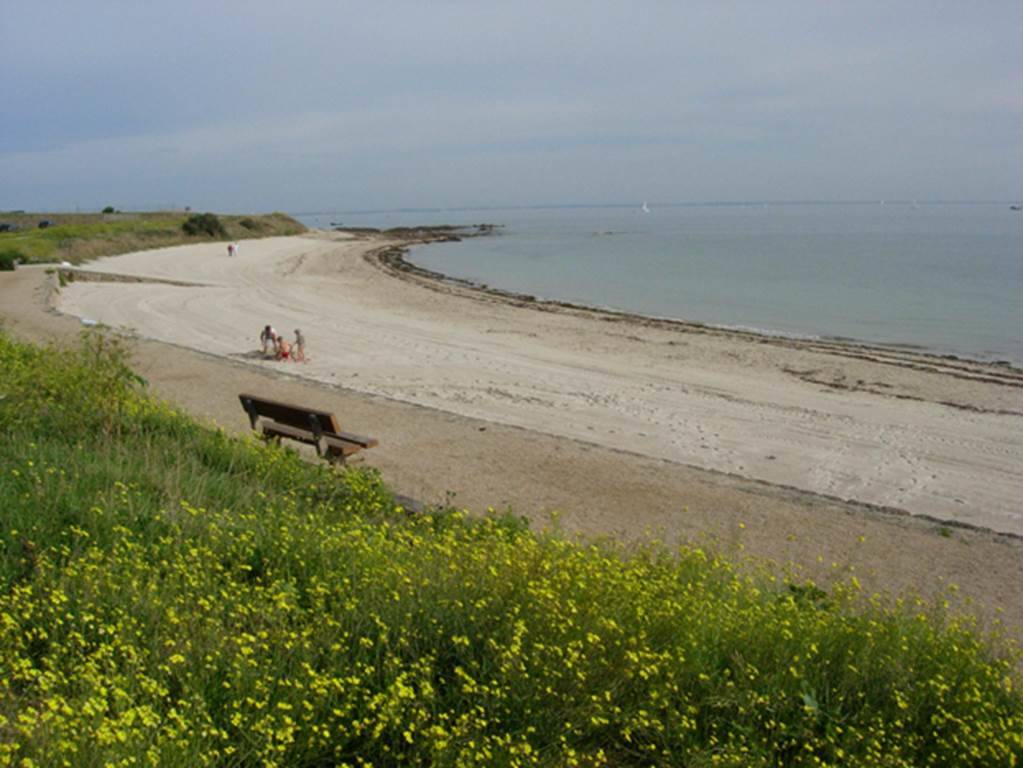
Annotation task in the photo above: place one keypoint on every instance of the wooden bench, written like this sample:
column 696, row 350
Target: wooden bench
column 276, row 420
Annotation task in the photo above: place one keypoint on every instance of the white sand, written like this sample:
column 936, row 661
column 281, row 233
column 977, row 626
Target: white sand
column 868, row 425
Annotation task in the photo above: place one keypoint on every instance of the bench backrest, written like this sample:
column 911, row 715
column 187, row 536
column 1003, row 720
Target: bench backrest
column 292, row 415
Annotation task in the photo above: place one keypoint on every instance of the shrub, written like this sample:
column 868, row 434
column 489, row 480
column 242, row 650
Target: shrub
column 110, row 209
column 8, row 258
column 204, row 224
column 250, row 224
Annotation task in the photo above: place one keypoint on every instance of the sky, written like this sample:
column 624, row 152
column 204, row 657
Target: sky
column 340, row 106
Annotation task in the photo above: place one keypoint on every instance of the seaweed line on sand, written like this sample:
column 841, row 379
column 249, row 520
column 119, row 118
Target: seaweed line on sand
column 392, row 258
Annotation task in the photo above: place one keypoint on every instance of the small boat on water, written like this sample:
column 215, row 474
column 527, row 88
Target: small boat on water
column 1016, row 207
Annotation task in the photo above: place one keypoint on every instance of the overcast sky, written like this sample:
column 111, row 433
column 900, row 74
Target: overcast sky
column 317, row 106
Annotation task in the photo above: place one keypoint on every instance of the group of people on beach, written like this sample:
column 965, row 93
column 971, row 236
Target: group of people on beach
column 281, row 348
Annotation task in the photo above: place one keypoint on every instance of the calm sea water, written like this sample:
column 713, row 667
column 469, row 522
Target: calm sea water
column 947, row 278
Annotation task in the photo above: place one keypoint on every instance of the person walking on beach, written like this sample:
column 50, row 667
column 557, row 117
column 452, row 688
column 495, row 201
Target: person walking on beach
column 232, row 249
column 267, row 337
column 299, row 355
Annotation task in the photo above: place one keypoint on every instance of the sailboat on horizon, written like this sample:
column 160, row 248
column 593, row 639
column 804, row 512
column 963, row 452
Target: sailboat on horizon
column 645, row 208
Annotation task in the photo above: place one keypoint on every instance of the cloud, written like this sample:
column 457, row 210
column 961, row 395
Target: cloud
column 335, row 101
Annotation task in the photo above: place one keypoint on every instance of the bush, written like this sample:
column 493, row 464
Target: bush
column 204, row 224
column 250, row 224
column 110, row 209
column 8, row 258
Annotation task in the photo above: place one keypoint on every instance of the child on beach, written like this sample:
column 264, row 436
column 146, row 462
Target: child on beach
column 283, row 349
column 231, row 249
column 299, row 355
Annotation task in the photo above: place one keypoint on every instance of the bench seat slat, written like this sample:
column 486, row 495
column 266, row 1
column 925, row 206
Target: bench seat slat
column 285, row 430
column 275, row 429
column 360, row 440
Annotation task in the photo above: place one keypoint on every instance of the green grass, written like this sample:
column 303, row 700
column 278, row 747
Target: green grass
column 80, row 237
column 170, row 595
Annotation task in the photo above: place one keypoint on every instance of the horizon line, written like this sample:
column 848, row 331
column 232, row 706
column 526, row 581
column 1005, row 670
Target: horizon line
column 651, row 203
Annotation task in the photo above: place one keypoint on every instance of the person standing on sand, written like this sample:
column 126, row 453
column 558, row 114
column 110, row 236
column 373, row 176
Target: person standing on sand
column 231, row 249
column 299, row 356
column 269, row 336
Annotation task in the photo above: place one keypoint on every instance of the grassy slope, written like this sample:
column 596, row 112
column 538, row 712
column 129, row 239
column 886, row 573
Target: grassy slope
column 79, row 237
column 170, row 594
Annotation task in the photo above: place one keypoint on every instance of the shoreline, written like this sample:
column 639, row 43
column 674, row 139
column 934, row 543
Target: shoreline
column 997, row 360
column 394, row 260
column 844, row 421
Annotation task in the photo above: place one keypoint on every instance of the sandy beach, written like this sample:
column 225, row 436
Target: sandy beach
column 891, row 428
column 903, row 466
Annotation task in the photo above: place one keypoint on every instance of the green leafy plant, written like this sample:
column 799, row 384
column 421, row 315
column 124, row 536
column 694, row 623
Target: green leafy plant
column 9, row 257
column 204, row 224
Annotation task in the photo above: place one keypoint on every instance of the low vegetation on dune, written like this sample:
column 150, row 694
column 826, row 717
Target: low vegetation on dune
column 79, row 237
column 170, row 595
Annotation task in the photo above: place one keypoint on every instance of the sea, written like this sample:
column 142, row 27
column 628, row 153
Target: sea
column 944, row 278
